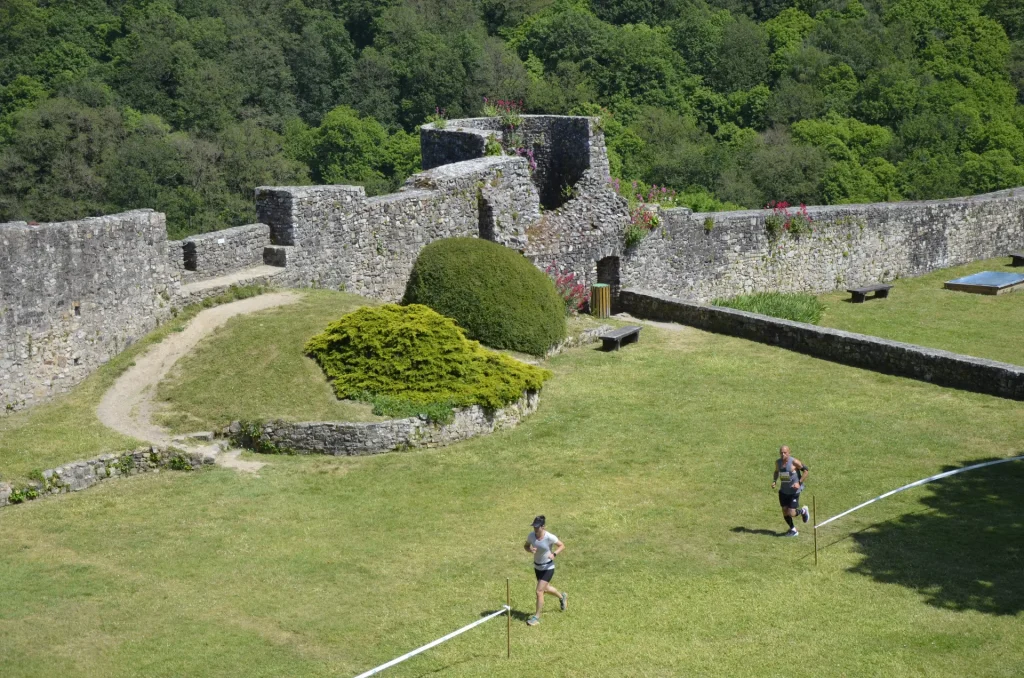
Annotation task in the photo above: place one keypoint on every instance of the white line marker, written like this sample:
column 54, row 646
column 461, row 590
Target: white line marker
column 371, row 672
column 919, row 482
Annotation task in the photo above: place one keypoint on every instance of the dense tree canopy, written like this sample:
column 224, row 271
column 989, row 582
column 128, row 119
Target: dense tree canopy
column 186, row 106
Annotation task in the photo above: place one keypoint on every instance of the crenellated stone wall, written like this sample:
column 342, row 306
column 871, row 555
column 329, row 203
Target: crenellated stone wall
column 850, row 245
column 74, row 294
column 123, row 277
column 218, row 253
column 335, row 237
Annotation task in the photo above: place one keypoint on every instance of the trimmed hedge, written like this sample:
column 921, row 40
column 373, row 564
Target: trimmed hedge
column 401, row 356
column 493, row 292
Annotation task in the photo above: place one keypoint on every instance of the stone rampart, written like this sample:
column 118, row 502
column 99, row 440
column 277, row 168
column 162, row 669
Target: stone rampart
column 858, row 350
column 74, row 294
column 218, row 253
column 335, row 237
column 704, row 256
column 347, row 439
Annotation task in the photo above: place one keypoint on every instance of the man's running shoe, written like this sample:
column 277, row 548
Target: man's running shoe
column 533, row 621
column 805, row 514
column 792, row 533
column 565, row 601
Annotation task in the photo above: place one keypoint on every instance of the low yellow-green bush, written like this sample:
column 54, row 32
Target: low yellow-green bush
column 397, row 356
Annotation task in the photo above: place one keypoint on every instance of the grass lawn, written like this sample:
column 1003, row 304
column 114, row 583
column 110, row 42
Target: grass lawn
column 66, row 428
column 653, row 465
column 919, row 311
column 253, row 367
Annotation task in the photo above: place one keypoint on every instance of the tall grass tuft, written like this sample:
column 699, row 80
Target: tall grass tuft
column 804, row 308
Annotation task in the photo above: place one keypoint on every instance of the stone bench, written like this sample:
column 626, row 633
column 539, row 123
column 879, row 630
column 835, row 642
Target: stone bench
column 613, row 341
column 1017, row 259
column 860, row 293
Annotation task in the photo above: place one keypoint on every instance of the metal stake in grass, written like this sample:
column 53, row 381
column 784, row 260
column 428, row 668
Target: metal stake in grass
column 508, row 619
column 814, row 519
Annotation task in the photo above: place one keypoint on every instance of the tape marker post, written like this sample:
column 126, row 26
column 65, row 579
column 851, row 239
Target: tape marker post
column 917, row 484
column 504, row 609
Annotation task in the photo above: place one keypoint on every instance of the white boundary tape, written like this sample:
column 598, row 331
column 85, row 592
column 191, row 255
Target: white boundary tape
column 372, row 672
column 919, row 482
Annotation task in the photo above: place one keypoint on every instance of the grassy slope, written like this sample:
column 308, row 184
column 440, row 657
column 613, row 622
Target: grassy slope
column 66, row 428
column 653, row 464
column 920, row 311
column 254, row 368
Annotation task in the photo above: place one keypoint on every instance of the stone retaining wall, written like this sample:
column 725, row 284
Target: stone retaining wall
column 80, row 475
column 345, row 438
column 213, row 254
column 858, row 350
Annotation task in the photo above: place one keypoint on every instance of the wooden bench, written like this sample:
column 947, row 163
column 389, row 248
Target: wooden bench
column 613, row 341
column 1017, row 259
column 861, row 293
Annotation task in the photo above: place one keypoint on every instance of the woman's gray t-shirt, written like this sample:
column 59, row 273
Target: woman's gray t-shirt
column 541, row 559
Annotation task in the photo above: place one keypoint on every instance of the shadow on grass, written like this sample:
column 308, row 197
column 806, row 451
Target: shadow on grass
column 967, row 553
column 449, row 667
column 516, row 614
column 747, row 530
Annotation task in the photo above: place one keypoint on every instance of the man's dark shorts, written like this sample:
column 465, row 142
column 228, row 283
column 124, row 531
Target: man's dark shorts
column 790, row 501
column 545, row 575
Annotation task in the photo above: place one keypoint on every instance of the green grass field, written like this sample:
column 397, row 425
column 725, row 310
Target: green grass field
column 254, row 368
column 66, row 428
column 653, row 464
column 919, row 311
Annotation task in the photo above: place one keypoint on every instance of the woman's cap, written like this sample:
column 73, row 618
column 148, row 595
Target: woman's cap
column 538, row 521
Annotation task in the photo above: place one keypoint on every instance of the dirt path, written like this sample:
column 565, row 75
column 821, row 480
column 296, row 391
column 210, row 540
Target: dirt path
column 127, row 407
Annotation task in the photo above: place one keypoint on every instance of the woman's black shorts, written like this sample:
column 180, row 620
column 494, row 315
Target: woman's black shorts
column 545, row 575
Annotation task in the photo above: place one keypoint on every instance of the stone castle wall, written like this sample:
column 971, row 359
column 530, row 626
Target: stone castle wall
column 335, row 237
column 123, row 276
column 218, row 253
column 850, row 245
column 74, row 294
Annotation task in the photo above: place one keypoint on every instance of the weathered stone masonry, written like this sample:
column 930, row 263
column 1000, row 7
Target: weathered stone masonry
column 74, row 294
column 335, row 237
column 859, row 350
column 850, row 245
column 345, row 438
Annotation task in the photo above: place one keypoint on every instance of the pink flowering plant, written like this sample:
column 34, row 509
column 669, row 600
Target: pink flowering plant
column 782, row 220
column 573, row 292
column 510, row 112
column 642, row 201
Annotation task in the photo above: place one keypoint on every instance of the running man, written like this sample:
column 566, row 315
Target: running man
column 544, row 546
column 793, row 475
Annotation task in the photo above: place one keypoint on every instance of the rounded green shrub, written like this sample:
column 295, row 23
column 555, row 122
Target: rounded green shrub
column 493, row 292
column 402, row 356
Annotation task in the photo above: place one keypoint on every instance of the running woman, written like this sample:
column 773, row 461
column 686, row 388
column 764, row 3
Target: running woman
column 792, row 474
column 544, row 546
